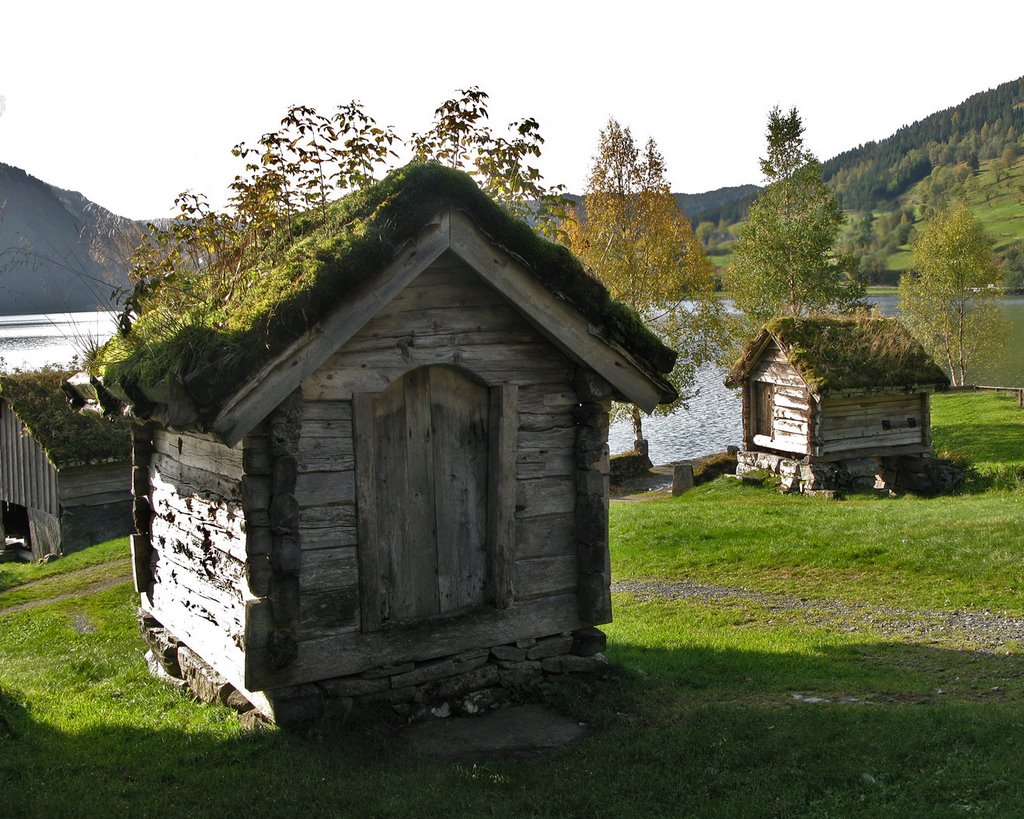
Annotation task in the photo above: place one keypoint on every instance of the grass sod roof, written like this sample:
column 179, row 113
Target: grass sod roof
column 324, row 258
column 68, row 437
column 837, row 354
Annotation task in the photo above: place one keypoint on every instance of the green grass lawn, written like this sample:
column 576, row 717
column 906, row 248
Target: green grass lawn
column 707, row 708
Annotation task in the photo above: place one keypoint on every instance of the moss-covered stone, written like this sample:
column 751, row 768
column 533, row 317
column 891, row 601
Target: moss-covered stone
column 286, row 289
column 67, row 436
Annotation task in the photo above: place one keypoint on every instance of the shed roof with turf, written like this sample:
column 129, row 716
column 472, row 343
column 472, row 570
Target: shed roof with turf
column 68, row 437
column 337, row 268
column 863, row 353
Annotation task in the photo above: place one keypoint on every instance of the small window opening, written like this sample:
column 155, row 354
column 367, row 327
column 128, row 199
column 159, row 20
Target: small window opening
column 886, row 424
column 911, row 422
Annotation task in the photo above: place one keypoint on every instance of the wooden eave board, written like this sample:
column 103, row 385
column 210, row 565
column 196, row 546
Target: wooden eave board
column 557, row 321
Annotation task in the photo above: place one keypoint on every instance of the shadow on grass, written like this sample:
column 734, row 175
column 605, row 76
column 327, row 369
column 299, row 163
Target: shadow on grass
column 686, row 731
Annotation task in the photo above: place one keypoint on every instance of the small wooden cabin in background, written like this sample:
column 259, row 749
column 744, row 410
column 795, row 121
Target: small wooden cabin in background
column 407, row 501
column 65, row 477
column 829, row 402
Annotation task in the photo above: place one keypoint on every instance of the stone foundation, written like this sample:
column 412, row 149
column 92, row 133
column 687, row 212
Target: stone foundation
column 469, row 682
column 921, row 474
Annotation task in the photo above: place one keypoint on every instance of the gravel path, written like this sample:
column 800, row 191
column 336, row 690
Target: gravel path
column 979, row 630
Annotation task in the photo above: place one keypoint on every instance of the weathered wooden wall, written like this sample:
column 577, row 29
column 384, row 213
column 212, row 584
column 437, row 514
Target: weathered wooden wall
column 878, row 424
column 190, row 548
column 792, row 405
column 447, row 316
column 95, row 504
column 27, row 478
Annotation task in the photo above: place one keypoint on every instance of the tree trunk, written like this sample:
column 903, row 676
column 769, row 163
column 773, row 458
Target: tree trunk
column 638, row 426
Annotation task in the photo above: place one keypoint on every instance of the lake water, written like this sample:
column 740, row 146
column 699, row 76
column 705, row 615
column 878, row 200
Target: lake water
column 29, row 342
column 709, row 424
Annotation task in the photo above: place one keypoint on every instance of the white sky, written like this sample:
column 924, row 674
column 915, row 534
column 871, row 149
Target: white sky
column 132, row 102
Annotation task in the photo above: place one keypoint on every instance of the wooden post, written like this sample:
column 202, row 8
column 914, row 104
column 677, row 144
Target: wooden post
column 682, row 478
column 593, row 591
column 141, row 548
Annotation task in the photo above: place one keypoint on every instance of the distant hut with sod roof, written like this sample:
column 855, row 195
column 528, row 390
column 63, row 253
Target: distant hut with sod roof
column 832, row 403
column 384, row 477
column 65, row 477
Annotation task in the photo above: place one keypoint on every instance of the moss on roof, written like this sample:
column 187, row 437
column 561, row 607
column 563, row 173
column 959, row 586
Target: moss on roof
column 326, row 257
column 836, row 354
column 67, row 436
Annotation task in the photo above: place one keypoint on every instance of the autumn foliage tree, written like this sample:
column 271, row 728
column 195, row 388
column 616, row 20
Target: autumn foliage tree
column 948, row 297
column 631, row 234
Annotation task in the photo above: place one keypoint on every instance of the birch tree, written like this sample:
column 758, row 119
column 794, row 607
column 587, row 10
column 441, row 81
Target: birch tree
column 948, row 298
column 785, row 260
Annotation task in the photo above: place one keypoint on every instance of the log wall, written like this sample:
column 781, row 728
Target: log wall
column 875, row 423
column 95, row 504
column 792, row 407
column 190, row 544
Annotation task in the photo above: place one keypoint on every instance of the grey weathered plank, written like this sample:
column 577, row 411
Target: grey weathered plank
column 349, row 373
column 203, row 635
column 544, row 463
column 314, row 489
column 83, row 482
column 199, row 450
column 536, row 498
column 368, row 552
column 459, row 410
column 329, row 569
column 194, row 480
column 547, row 536
column 545, row 576
column 501, row 513
column 414, row 565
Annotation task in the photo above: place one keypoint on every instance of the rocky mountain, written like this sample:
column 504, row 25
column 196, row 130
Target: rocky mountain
column 59, row 252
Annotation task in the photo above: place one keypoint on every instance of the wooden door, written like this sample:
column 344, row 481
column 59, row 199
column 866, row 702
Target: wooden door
column 423, row 450
column 764, row 408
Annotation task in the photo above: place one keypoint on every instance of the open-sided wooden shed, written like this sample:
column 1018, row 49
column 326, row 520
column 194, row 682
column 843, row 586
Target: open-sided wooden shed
column 827, row 399
column 406, row 500
column 65, row 477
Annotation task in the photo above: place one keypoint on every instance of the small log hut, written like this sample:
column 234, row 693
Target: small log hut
column 405, row 500
column 65, row 477
column 830, row 403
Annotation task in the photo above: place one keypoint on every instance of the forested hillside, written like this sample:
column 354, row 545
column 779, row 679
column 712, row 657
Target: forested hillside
column 987, row 125
column 974, row 151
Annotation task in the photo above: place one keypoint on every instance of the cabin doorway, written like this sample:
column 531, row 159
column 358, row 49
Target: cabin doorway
column 764, row 408
column 426, row 440
column 15, row 532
